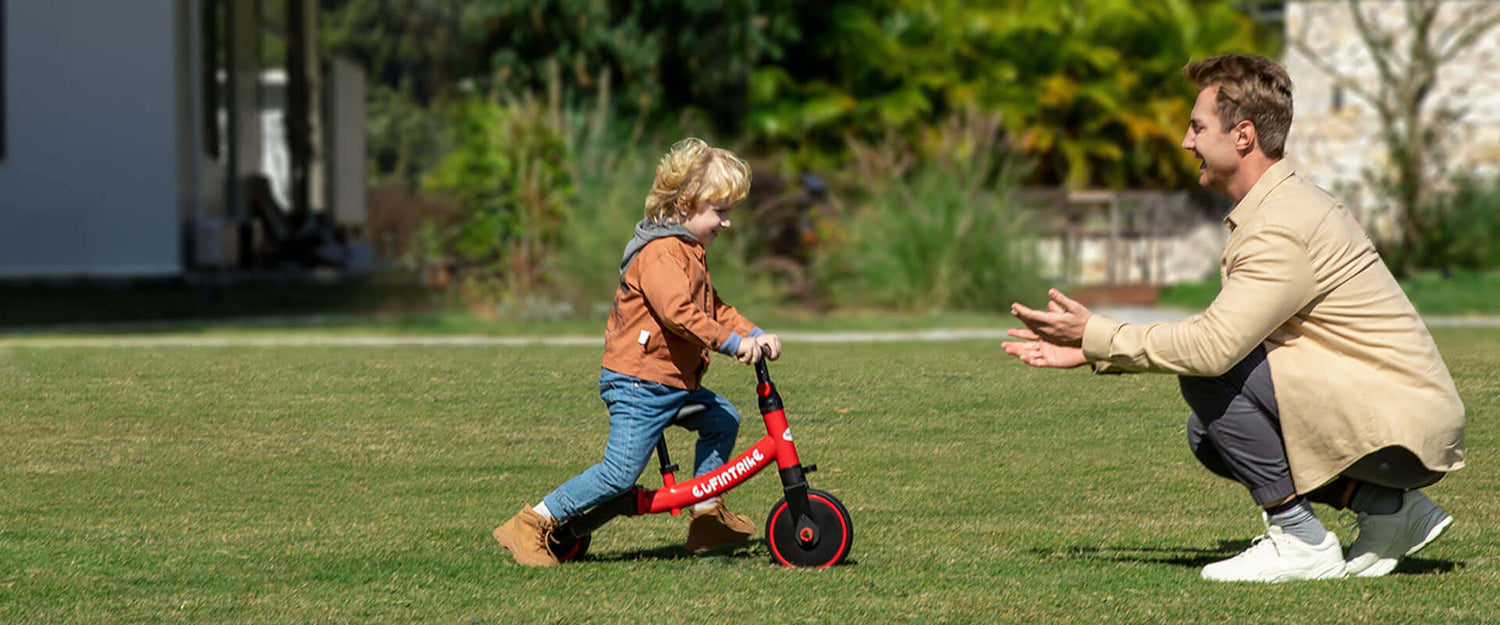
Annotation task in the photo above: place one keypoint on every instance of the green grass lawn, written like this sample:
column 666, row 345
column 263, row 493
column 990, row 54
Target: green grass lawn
column 360, row 484
column 1460, row 294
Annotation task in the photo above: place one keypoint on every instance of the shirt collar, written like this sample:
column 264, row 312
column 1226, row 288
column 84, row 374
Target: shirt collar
column 1273, row 177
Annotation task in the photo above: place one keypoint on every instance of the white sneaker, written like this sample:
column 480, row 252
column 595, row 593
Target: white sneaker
column 1384, row 538
column 1278, row 557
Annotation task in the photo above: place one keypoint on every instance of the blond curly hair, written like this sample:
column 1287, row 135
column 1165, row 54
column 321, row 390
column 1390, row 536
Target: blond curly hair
column 694, row 174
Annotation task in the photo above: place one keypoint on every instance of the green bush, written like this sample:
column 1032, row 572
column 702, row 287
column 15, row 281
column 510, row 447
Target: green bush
column 1459, row 231
column 939, row 234
column 510, row 174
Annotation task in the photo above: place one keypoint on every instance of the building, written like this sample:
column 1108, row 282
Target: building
column 1335, row 138
column 175, row 137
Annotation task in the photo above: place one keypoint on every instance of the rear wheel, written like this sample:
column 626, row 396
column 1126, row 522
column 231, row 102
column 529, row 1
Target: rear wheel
column 567, row 547
column 825, row 543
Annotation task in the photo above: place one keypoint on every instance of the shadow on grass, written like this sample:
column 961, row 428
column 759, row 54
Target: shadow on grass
column 1197, row 558
column 1175, row 556
column 756, row 549
column 1424, row 566
column 752, row 549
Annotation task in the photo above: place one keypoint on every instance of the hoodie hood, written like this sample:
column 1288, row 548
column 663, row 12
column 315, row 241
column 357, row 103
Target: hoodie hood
column 647, row 231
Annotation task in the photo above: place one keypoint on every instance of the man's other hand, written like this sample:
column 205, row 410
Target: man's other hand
column 1062, row 323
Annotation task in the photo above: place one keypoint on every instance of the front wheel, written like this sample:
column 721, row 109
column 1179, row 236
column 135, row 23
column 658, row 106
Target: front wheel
column 824, row 544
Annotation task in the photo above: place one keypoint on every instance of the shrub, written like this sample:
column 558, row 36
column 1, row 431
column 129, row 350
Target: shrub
column 509, row 173
column 939, row 235
column 1460, row 230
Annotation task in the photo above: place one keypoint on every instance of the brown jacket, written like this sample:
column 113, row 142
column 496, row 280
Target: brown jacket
column 667, row 317
column 1354, row 367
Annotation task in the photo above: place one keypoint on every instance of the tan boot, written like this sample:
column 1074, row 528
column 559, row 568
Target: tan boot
column 715, row 527
column 526, row 536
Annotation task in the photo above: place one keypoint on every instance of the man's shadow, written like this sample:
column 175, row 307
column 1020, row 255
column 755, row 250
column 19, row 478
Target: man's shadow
column 1188, row 557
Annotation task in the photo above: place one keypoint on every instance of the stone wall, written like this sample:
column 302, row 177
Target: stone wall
column 1335, row 138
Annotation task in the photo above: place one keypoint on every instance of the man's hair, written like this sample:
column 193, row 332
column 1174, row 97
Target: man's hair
column 693, row 174
column 1251, row 88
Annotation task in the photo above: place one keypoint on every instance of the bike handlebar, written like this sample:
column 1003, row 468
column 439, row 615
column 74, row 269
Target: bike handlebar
column 762, row 372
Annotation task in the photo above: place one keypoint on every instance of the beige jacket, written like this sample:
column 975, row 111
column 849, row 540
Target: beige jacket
column 667, row 316
column 1354, row 367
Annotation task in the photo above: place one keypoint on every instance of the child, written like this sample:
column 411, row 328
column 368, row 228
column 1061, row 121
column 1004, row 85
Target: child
column 665, row 319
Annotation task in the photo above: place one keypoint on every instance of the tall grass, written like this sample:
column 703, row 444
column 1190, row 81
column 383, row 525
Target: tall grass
column 926, row 225
column 939, row 233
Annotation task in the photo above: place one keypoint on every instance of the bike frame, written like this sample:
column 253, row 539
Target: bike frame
column 776, row 445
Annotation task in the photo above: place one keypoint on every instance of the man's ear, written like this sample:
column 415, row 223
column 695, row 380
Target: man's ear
column 1244, row 136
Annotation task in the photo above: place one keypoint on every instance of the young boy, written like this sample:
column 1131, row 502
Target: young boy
column 665, row 319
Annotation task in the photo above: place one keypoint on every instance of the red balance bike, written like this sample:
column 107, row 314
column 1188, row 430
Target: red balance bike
column 807, row 527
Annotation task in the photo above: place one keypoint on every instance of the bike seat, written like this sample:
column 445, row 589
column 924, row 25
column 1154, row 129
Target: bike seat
column 688, row 411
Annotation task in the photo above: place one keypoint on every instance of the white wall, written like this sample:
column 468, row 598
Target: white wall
column 1334, row 146
column 88, row 185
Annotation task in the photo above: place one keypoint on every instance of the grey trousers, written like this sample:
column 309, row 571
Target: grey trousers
column 1235, row 431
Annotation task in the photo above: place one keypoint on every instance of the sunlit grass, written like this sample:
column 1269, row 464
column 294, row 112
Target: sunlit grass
column 340, row 484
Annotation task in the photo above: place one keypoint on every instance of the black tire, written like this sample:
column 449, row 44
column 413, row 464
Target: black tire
column 835, row 532
column 565, row 547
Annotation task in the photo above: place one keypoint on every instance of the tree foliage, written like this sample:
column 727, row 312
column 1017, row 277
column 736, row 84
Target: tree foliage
column 1091, row 89
column 664, row 57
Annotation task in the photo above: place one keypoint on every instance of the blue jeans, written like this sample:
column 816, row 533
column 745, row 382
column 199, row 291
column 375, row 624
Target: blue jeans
column 639, row 411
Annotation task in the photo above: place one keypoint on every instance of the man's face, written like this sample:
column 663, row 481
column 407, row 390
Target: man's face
column 1218, row 158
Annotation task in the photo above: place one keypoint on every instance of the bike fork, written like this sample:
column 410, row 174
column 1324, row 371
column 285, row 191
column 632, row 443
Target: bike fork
column 793, row 478
column 794, row 487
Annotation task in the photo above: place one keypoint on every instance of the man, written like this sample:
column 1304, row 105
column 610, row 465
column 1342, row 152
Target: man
column 1311, row 378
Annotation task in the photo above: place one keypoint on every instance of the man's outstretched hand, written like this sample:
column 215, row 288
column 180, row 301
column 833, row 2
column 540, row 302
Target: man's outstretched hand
column 1039, row 353
column 1062, row 323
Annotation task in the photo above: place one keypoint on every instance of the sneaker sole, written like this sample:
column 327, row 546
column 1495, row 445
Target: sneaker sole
column 1384, row 566
column 1329, row 572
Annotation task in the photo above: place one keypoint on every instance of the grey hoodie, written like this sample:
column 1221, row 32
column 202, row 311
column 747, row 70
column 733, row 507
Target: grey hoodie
column 647, row 231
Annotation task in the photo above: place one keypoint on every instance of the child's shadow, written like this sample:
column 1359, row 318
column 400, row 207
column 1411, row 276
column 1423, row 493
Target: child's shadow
column 754, row 549
column 738, row 551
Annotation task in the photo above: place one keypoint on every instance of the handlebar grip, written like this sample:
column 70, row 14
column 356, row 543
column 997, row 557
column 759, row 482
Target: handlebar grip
column 762, row 372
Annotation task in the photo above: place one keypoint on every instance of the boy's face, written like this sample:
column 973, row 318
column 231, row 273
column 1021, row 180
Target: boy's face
column 706, row 223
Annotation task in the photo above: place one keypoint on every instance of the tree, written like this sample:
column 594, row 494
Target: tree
column 1091, row 90
column 1407, row 53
